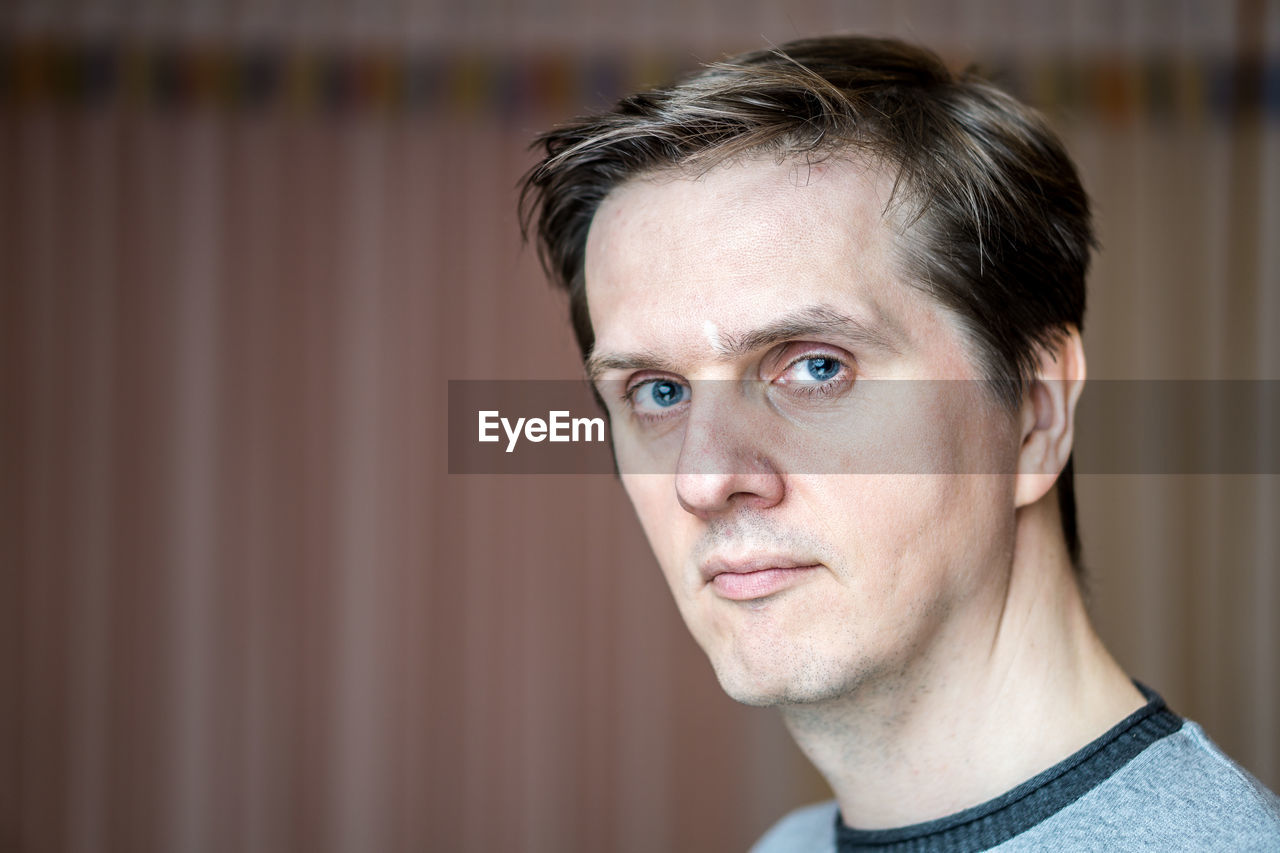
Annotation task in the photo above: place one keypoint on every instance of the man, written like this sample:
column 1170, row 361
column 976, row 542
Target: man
column 751, row 255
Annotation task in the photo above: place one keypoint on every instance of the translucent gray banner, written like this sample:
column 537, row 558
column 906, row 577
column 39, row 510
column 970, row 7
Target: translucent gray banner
column 660, row 426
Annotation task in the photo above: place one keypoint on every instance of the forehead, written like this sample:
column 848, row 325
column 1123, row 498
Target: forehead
column 672, row 259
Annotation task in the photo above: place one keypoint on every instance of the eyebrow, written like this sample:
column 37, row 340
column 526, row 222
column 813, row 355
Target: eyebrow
column 816, row 320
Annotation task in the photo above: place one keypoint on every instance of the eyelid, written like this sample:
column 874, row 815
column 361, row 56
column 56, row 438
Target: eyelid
column 645, row 377
column 640, row 381
column 794, row 352
column 785, row 356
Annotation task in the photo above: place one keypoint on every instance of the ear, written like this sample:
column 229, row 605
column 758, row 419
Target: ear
column 1048, row 417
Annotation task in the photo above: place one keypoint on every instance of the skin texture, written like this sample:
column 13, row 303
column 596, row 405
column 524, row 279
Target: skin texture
column 928, row 633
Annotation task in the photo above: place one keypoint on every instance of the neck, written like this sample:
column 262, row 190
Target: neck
column 995, row 700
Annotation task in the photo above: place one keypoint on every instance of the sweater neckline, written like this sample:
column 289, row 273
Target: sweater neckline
column 985, row 825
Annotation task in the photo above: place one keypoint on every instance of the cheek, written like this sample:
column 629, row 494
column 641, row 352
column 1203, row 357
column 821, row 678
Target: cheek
column 883, row 517
column 896, row 427
column 905, row 534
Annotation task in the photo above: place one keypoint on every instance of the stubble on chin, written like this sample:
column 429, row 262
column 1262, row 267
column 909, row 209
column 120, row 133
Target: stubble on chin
column 787, row 671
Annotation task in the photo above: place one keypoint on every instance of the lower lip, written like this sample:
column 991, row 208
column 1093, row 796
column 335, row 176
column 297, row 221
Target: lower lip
column 750, row 585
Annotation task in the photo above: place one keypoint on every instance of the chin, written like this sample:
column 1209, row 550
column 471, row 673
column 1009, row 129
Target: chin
column 754, row 695
column 790, row 682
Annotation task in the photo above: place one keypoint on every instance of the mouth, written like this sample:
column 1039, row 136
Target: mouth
column 747, row 580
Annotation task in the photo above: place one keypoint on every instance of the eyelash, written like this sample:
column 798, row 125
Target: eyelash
column 804, row 389
column 629, row 399
column 820, row 389
column 824, row 389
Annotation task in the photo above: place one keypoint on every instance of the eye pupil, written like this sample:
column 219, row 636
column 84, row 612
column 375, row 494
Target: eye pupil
column 822, row 368
column 667, row 393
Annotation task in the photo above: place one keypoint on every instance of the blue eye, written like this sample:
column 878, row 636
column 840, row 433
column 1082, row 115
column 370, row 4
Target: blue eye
column 821, row 368
column 665, row 393
column 816, row 373
column 656, row 398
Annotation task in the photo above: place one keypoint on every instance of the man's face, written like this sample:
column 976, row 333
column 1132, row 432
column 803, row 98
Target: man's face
column 743, row 321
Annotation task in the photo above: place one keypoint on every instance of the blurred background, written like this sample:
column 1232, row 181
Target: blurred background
column 243, row 245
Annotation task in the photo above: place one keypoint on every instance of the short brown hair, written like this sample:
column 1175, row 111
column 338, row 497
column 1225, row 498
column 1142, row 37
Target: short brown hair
column 998, row 224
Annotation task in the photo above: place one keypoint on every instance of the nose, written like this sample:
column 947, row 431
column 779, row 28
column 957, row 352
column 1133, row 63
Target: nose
column 722, row 464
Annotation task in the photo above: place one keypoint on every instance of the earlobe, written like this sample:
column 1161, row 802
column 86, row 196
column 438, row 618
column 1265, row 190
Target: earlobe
column 1048, row 417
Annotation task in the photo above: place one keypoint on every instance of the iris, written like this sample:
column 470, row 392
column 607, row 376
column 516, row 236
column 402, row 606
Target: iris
column 666, row 394
column 821, row 368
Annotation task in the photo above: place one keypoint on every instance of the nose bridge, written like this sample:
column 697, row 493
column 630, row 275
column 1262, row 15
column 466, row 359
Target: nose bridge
column 722, row 458
column 710, row 436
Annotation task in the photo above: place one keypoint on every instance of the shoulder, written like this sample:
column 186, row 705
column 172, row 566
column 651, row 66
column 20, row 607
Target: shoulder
column 811, row 829
column 1205, row 774
column 1188, row 768
column 1180, row 793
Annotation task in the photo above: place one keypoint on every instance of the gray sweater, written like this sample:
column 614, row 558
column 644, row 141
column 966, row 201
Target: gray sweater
column 1154, row 782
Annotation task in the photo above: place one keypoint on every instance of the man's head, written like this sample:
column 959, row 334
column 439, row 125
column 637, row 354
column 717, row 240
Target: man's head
column 834, row 209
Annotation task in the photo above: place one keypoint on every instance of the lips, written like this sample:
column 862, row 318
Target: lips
column 756, row 577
